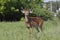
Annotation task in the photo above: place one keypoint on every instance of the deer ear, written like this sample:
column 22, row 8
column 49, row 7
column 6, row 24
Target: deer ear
column 31, row 11
column 23, row 11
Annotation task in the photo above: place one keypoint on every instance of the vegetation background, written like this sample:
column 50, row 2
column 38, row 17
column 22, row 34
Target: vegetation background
column 12, row 26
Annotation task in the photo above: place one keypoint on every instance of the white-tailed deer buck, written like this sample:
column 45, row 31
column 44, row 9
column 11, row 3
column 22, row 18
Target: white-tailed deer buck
column 32, row 22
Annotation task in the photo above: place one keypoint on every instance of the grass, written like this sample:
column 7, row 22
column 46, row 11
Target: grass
column 18, row 31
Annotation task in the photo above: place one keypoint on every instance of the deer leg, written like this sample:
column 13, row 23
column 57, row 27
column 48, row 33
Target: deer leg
column 41, row 27
column 30, row 35
column 32, row 28
column 36, row 26
column 29, row 30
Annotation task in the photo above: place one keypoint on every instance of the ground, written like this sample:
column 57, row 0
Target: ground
column 18, row 31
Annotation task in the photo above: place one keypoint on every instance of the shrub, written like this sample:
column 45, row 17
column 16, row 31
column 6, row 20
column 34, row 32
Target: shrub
column 58, row 15
column 44, row 14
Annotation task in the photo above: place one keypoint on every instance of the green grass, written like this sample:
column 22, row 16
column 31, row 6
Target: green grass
column 18, row 31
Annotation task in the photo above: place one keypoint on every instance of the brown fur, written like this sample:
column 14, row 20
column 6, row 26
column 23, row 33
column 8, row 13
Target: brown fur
column 34, row 22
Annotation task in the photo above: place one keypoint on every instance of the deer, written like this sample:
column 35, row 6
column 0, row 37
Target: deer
column 32, row 22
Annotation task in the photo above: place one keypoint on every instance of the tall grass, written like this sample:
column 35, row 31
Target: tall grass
column 18, row 31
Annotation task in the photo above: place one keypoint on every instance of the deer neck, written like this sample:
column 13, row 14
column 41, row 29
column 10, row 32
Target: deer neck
column 26, row 18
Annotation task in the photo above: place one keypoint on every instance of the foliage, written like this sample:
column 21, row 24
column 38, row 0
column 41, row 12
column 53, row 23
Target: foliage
column 55, row 5
column 43, row 13
column 58, row 15
column 11, row 9
column 18, row 31
column 47, row 14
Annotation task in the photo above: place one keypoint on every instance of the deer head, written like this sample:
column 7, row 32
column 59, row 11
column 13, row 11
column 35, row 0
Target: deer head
column 26, row 12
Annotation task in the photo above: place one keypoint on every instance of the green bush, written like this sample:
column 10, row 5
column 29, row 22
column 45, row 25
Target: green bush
column 10, row 9
column 45, row 14
column 58, row 15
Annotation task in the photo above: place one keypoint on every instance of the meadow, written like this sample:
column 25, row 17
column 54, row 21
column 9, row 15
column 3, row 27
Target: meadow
column 18, row 31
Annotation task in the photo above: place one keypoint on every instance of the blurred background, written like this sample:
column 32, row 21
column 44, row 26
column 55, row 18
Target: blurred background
column 12, row 20
column 10, row 10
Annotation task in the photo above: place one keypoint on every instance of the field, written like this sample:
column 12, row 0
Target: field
column 18, row 31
